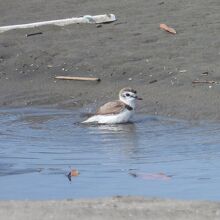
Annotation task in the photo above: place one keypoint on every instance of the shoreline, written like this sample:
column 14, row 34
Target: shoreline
column 110, row 208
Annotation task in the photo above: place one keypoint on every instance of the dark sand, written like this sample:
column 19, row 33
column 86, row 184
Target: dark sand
column 161, row 66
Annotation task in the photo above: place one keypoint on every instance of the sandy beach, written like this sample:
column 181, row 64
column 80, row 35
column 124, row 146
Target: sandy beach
column 133, row 51
column 111, row 208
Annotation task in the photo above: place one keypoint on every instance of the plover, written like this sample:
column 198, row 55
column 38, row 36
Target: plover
column 119, row 111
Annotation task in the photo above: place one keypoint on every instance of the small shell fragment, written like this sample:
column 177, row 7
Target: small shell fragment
column 73, row 172
column 167, row 28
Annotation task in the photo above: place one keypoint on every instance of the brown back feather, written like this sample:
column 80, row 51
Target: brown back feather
column 111, row 108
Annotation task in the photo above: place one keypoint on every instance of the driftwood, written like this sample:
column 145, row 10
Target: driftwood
column 97, row 19
column 78, row 78
column 204, row 81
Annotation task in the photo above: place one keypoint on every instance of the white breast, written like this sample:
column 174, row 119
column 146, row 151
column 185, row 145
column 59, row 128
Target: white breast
column 122, row 117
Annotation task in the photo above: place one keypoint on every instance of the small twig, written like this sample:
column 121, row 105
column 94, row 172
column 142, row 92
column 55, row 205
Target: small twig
column 204, row 81
column 32, row 34
column 78, row 78
column 153, row 81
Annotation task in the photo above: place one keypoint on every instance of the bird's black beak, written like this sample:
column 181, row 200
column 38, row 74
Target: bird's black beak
column 138, row 98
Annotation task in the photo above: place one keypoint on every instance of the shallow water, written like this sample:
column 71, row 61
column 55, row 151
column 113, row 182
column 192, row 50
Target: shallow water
column 38, row 148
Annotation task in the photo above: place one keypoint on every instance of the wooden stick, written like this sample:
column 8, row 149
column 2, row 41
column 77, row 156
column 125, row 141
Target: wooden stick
column 96, row 19
column 32, row 34
column 204, row 81
column 78, row 78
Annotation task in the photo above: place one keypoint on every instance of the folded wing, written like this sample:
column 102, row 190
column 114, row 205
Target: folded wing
column 111, row 108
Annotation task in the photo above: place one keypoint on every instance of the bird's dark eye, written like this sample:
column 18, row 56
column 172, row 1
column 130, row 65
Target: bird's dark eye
column 127, row 94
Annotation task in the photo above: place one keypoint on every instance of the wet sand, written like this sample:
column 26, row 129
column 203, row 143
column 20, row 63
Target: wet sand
column 132, row 51
column 111, row 208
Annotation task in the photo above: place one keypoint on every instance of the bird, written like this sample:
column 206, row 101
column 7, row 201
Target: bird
column 116, row 112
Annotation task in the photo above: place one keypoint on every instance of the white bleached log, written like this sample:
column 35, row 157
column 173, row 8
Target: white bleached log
column 97, row 19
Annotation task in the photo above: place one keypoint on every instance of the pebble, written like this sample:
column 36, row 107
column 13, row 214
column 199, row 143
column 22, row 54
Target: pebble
column 147, row 60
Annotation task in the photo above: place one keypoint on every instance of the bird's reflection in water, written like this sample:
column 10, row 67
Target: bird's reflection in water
column 113, row 128
column 121, row 137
